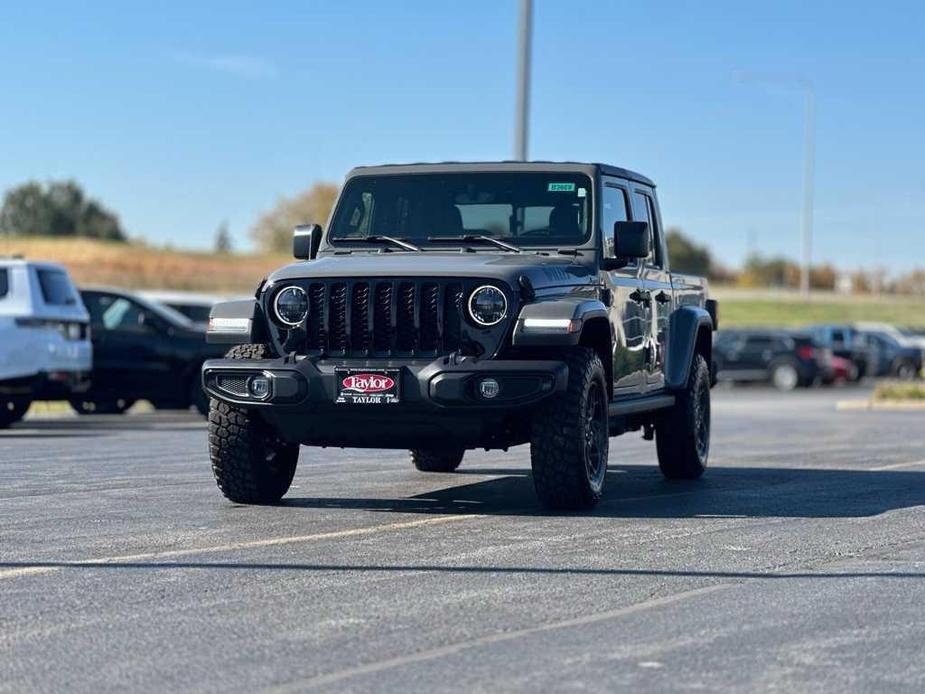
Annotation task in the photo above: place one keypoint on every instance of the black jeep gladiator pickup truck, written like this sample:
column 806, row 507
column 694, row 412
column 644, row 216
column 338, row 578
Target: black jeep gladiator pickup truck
column 455, row 306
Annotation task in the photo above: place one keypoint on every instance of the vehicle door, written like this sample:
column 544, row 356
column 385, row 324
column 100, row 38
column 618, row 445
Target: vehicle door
column 757, row 353
column 129, row 357
column 656, row 291
column 627, row 314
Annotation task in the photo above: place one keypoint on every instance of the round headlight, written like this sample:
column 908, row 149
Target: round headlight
column 487, row 305
column 291, row 305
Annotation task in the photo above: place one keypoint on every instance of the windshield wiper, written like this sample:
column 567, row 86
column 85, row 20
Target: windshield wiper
column 379, row 238
column 471, row 238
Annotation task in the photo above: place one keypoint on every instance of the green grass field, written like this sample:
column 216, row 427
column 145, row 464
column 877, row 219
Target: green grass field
column 791, row 311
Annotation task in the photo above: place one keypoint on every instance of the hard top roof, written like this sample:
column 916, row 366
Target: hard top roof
column 501, row 166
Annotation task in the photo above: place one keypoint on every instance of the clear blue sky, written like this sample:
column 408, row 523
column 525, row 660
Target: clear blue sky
column 179, row 115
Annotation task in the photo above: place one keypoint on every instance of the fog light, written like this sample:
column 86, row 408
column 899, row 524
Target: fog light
column 489, row 388
column 258, row 387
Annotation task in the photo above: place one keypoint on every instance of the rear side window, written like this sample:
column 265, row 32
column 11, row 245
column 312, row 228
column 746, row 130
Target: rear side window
column 760, row 342
column 56, row 288
column 4, row 282
column 614, row 210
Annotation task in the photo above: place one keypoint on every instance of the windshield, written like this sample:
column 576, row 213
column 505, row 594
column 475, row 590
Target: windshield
column 526, row 209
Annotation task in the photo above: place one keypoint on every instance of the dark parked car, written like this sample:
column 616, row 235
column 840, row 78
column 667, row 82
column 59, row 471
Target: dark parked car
column 196, row 307
column 785, row 359
column 890, row 357
column 142, row 350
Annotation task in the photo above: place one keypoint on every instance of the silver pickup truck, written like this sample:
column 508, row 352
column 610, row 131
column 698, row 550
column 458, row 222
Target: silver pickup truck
column 456, row 306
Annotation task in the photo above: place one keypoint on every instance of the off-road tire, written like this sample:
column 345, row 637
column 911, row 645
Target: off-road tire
column 251, row 465
column 436, row 460
column 682, row 433
column 13, row 409
column 569, row 440
column 107, row 406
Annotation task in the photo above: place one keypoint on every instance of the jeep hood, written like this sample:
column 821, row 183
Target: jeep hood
column 542, row 271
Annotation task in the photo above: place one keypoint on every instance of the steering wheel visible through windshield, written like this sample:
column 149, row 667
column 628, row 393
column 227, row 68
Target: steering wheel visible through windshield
column 525, row 209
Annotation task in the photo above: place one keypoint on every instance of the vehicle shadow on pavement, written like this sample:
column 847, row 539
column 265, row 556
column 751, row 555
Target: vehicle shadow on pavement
column 640, row 492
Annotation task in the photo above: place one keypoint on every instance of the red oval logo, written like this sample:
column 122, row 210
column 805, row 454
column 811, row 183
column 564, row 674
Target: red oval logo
column 367, row 383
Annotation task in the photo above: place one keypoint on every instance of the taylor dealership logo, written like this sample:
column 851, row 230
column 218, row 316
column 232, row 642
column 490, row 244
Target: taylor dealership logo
column 367, row 383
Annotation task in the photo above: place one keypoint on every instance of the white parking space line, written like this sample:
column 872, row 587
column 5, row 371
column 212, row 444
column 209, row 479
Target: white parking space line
column 897, row 466
column 490, row 639
column 232, row 546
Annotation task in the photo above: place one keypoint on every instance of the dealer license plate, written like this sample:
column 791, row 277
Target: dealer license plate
column 367, row 386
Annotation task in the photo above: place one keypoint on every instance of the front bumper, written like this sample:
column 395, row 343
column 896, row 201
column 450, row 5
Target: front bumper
column 440, row 401
column 442, row 383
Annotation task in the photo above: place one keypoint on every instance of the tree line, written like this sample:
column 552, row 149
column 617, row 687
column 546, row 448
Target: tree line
column 57, row 208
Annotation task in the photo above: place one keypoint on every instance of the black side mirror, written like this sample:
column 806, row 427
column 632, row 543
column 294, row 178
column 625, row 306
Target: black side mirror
column 631, row 239
column 306, row 238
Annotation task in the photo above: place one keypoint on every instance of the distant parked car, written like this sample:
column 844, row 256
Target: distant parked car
column 142, row 350
column 841, row 339
column 891, row 356
column 45, row 350
column 903, row 337
column 785, row 359
column 196, row 307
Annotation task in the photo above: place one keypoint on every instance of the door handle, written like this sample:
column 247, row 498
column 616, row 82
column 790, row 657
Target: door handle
column 641, row 296
column 663, row 297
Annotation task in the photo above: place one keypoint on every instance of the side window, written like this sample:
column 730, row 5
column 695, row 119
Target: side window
column 56, row 288
column 644, row 211
column 614, row 210
column 759, row 343
column 641, row 214
column 117, row 313
column 4, row 282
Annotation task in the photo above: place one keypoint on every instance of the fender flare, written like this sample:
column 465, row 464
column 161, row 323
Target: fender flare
column 556, row 323
column 684, row 327
column 237, row 323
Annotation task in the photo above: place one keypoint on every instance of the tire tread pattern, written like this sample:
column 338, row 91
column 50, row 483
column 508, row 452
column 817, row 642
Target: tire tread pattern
column 556, row 441
column 237, row 448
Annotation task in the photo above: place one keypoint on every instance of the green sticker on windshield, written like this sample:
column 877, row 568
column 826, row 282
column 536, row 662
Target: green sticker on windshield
column 560, row 188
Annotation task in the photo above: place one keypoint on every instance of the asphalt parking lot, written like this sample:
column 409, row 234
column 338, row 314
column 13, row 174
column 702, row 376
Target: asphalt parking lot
column 797, row 563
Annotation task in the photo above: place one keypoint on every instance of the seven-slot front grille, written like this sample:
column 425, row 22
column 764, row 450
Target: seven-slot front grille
column 380, row 318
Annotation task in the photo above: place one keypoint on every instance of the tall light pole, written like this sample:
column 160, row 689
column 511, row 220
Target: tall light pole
column 524, row 40
column 809, row 163
column 809, row 170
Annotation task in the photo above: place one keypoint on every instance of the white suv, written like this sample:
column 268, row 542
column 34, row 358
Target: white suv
column 45, row 350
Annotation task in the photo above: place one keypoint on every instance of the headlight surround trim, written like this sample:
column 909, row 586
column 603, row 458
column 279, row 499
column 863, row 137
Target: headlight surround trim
column 276, row 310
column 472, row 313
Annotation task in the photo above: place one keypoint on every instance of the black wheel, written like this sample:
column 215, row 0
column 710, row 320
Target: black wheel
column 569, row 441
column 107, row 406
column 437, row 460
column 682, row 434
column 251, row 464
column 906, row 371
column 13, row 409
column 785, row 375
